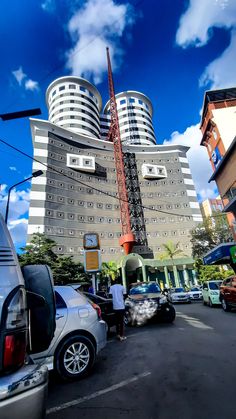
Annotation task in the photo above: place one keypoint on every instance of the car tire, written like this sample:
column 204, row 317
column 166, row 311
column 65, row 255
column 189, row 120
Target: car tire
column 75, row 346
column 225, row 305
column 169, row 316
column 210, row 303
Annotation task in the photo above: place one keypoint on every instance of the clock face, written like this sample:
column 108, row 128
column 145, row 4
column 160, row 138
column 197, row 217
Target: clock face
column 91, row 240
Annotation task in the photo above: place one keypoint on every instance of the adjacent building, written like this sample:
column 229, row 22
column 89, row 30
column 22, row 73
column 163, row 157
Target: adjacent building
column 211, row 206
column 78, row 190
column 218, row 126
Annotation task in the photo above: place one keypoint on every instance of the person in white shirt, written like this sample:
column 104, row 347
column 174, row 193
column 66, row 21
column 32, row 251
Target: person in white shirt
column 117, row 292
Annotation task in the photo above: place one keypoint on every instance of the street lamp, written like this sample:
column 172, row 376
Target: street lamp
column 35, row 174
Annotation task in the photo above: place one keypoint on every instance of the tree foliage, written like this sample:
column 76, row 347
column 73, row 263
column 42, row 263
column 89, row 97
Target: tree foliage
column 40, row 251
column 211, row 272
column 109, row 271
column 210, row 233
column 172, row 251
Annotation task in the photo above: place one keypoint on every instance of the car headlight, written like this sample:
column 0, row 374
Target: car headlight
column 162, row 300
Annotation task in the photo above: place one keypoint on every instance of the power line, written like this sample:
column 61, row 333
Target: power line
column 92, row 187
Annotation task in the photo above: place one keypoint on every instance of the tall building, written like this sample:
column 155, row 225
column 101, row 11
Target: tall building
column 211, row 206
column 78, row 190
column 219, row 138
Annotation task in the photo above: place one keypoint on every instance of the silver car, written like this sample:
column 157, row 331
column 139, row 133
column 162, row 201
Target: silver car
column 179, row 295
column 80, row 334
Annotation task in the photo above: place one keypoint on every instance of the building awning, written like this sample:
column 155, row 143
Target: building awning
column 220, row 255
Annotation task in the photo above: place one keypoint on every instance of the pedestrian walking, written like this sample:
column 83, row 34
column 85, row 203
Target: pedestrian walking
column 117, row 292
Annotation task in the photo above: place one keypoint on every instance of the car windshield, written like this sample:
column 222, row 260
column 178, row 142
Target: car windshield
column 179, row 290
column 145, row 289
column 194, row 289
column 214, row 285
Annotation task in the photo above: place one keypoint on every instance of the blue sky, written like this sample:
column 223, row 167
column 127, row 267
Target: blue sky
column 171, row 50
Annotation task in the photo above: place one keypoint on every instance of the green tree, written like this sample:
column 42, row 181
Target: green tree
column 171, row 251
column 210, row 272
column 109, row 270
column 40, row 251
column 210, row 233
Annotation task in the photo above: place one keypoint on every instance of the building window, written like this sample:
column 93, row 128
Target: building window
column 60, row 214
column 82, row 89
column 54, row 92
column 60, row 230
column 131, row 100
column 61, row 88
column 140, row 101
column 91, row 94
column 71, row 232
column 91, row 219
column 71, row 216
column 72, row 86
column 70, row 201
column 122, row 102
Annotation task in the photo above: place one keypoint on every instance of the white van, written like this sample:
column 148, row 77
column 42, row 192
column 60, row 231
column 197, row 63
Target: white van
column 23, row 385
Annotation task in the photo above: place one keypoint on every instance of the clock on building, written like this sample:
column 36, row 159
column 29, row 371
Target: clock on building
column 91, row 241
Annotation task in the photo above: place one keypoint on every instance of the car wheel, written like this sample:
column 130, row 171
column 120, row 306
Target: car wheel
column 210, row 303
column 169, row 315
column 225, row 305
column 75, row 357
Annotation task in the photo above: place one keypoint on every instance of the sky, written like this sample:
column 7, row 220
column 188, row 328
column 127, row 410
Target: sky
column 170, row 50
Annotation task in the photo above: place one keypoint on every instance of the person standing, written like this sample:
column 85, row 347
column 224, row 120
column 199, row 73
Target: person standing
column 117, row 292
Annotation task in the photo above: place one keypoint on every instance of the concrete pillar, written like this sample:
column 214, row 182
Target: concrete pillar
column 144, row 273
column 176, row 276
column 124, row 277
column 194, row 277
column 166, row 276
column 186, row 276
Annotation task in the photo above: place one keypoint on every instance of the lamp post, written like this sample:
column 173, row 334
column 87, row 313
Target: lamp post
column 35, row 174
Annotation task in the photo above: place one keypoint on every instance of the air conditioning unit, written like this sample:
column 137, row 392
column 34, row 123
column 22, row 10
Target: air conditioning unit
column 83, row 163
column 153, row 171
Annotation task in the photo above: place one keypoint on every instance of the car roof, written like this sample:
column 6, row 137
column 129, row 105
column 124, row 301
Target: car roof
column 72, row 297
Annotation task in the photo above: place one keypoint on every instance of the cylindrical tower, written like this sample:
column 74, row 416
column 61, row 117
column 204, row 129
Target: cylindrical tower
column 135, row 118
column 75, row 104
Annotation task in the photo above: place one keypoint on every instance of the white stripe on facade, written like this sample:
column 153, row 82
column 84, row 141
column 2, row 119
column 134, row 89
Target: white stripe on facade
column 188, row 181
column 39, row 152
column 38, row 166
column 40, row 180
column 186, row 170
column 194, row 205
column 183, row 160
column 36, row 212
column 191, row 193
column 197, row 218
column 34, row 228
column 40, row 196
column 39, row 139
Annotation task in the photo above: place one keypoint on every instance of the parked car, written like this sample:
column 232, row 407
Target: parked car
column 146, row 301
column 80, row 334
column 23, row 385
column 195, row 293
column 211, row 292
column 228, row 293
column 106, row 306
column 179, row 295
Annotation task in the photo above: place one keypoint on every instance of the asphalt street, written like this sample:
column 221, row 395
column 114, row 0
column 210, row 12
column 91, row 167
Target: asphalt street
column 186, row 370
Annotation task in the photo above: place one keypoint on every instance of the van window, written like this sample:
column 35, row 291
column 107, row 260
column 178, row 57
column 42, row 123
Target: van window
column 60, row 303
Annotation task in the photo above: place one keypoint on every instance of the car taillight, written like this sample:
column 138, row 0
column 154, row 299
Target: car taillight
column 14, row 351
column 15, row 333
column 98, row 310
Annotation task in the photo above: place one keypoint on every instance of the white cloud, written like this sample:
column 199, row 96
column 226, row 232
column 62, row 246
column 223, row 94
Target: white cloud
column 96, row 25
column 28, row 83
column 198, row 160
column 48, row 5
column 196, row 28
column 31, row 85
column 19, row 75
column 13, row 168
column 19, row 205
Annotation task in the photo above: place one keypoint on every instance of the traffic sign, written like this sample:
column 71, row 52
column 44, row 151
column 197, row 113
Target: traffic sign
column 92, row 260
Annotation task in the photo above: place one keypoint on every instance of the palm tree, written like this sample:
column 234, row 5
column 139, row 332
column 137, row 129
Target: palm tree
column 109, row 270
column 171, row 251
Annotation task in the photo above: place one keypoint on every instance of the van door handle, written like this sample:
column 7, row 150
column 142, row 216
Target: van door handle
column 59, row 316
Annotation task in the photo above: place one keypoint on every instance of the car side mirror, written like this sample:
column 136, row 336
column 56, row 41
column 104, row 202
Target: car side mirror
column 41, row 304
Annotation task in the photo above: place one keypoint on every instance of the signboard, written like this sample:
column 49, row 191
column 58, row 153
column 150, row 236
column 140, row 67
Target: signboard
column 216, row 156
column 92, row 260
column 233, row 253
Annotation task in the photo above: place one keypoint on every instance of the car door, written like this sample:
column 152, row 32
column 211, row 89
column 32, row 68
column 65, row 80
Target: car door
column 233, row 290
column 225, row 290
column 205, row 292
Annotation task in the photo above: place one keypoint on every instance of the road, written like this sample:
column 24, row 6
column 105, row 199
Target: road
column 186, row 370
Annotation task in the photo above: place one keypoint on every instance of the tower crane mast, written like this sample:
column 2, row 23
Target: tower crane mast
column 127, row 239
